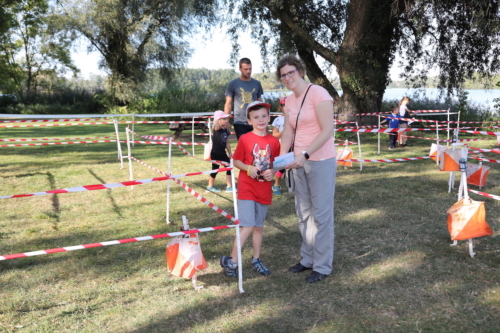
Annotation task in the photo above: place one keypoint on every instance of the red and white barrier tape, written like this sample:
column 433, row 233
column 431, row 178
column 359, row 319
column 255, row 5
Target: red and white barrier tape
column 481, row 150
column 381, row 113
column 111, row 185
column 192, row 192
column 429, row 111
column 113, row 242
column 341, row 122
column 163, row 122
column 484, row 159
column 205, row 134
column 54, row 143
column 388, row 160
column 48, row 125
column 481, row 132
column 56, row 139
column 478, row 139
column 385, row 130
column 439, row 121
column 50, row 120
column 492, row 196
column 150, row 142
column 163, row 138
column 433, row 139
column 211, row 161
column 150, row 137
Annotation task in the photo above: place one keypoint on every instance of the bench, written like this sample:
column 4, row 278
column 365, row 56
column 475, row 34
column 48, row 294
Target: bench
column 179, row 127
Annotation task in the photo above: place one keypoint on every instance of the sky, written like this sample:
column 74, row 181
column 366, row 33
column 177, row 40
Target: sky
column 211, row 52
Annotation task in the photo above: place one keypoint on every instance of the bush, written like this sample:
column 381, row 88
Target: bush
column 59, row 101
column 8, row 100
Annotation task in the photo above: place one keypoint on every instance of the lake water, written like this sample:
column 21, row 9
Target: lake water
column 477, row 96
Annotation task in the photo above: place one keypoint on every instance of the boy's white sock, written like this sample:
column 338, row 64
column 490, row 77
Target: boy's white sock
column 232, row 264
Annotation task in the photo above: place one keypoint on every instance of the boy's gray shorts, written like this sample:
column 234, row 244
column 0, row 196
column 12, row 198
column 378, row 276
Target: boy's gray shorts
column 251, row 213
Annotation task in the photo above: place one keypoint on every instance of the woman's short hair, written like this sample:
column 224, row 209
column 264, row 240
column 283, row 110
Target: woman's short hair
column 290, row 60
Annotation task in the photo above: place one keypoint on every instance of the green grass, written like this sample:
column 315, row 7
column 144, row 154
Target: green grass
column 394, row 269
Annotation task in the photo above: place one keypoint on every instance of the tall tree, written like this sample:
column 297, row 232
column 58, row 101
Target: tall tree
column 361, row 38
column 135, row 35
column 34, row 44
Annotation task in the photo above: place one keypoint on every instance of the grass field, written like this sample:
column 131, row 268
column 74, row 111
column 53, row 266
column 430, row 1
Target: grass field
column 394, row 268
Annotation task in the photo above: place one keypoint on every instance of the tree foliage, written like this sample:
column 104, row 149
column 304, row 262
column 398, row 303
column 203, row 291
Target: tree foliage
column 136, row 35
column 34, row 46
column 361, row 38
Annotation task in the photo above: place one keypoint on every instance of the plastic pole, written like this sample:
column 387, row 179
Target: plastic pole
column 238, row 240
column 131, row 172
column 167, row 212
column 117, row 133
column 192, row 134
column 359, row 149
column 378, row 134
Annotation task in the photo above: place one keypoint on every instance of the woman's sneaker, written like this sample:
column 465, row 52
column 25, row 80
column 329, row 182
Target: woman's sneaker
column 231, row 189
column 259, row 266
column 230, row 268
column 276, row 190
column 212, row 189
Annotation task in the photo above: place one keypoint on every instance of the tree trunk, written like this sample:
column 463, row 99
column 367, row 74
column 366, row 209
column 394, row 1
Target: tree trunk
column 365, row 56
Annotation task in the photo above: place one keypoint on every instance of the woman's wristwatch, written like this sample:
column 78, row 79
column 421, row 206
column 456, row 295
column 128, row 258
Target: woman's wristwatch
column 305, row 154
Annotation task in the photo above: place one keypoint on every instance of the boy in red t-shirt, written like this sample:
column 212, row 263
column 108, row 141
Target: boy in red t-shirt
column 254, row 156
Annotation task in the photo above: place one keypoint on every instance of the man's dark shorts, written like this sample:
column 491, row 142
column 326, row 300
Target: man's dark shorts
column 241, row 129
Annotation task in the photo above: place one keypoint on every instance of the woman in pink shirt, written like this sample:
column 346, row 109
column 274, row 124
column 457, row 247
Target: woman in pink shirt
column 309, row 127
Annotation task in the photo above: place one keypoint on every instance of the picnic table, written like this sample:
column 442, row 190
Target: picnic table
column 179, row 127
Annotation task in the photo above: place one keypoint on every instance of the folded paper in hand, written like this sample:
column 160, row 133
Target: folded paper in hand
column 281, row 161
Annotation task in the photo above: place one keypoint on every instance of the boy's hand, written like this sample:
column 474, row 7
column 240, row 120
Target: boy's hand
column 268, row 175
column 254, row 172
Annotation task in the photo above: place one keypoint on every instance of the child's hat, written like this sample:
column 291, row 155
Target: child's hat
column 255, row 103
column 282, row 100
column 219, row 114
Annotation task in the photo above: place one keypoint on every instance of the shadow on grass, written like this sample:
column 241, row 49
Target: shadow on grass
column 112, row 201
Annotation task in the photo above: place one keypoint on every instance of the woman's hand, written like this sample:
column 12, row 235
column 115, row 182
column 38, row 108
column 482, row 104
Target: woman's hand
column 298, row 162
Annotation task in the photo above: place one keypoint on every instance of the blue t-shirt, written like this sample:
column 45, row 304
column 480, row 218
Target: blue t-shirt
column 243, row 93
column 394, row 122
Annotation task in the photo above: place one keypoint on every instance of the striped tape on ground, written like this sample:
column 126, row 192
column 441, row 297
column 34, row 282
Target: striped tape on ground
column 51, row 120
column 492, row 196
column 190, row 191
column 111, row 185
column 113, row 242
column 484, row 159
column 56, row 139
column 54, row 143
column 482, row 150
column 49, row 125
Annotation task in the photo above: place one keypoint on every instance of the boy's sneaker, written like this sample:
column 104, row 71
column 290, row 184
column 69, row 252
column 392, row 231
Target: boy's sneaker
column 231, row 189
column 212, row 189
column 258, row 266
column 276, row 190
column 229, row 270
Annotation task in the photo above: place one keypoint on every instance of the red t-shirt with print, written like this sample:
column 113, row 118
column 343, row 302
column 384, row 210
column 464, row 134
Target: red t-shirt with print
column 259, row 151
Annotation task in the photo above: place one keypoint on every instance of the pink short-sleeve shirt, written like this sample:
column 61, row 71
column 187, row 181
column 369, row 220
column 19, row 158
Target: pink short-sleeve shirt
column 308, row 125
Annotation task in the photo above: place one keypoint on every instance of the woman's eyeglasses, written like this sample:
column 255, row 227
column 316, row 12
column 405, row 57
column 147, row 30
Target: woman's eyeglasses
column 289, row 74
